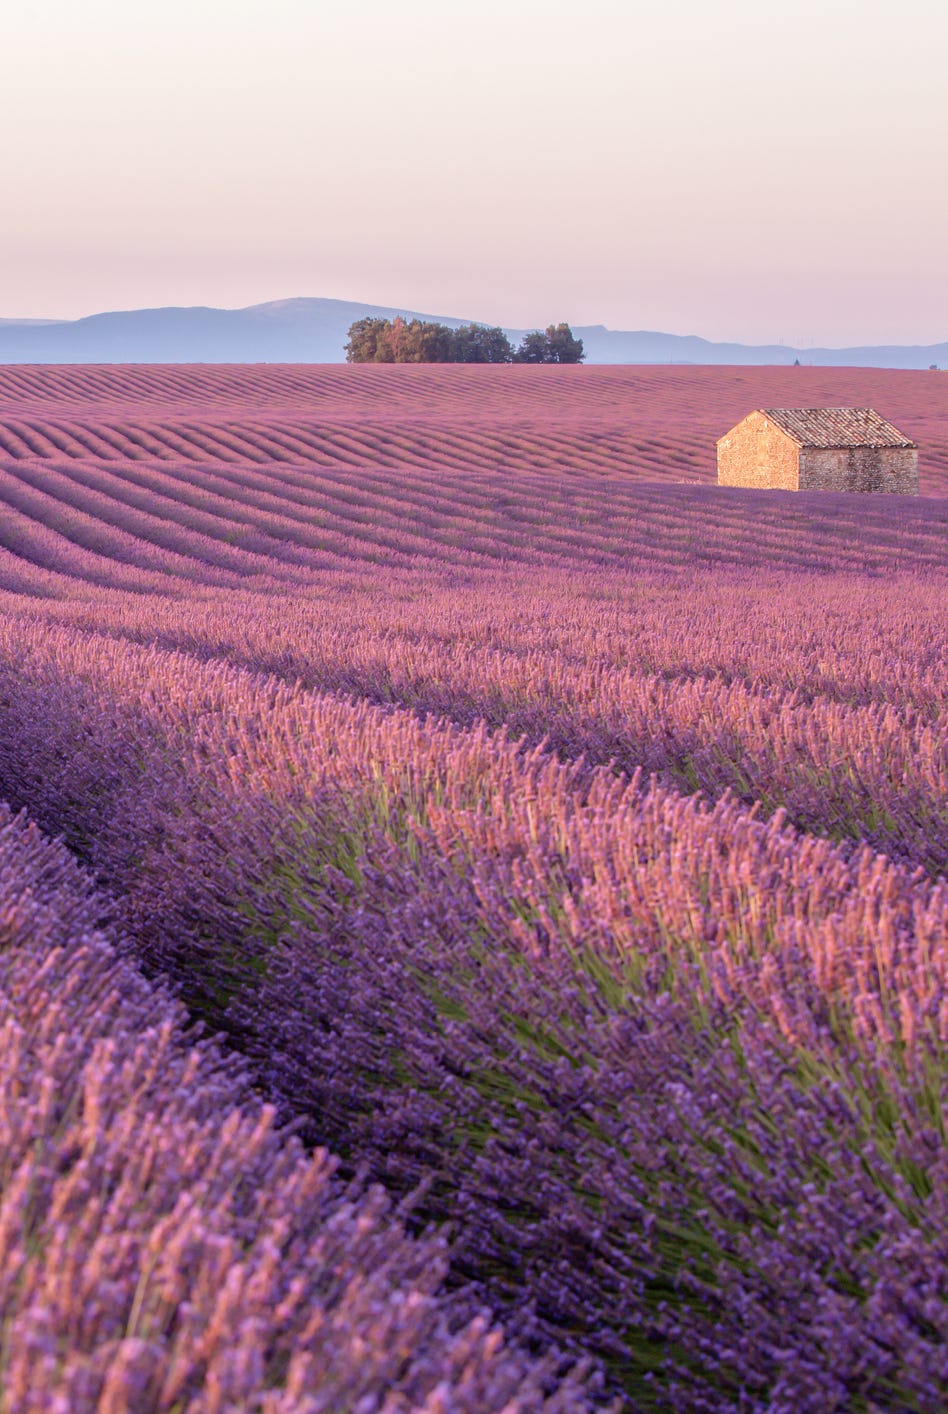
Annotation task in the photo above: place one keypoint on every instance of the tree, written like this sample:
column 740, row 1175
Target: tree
column 534, row 348
column 398, row 340
column 424, row 341
column 555, row 344
column 563, row 347
column 366, row 337
column 476, row 343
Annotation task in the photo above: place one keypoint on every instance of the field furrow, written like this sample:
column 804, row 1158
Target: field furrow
column 559, row 838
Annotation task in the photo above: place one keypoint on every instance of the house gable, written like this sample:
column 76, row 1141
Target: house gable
column 759, row 452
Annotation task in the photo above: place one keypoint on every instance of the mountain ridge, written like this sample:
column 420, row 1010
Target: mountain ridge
column 313, row 330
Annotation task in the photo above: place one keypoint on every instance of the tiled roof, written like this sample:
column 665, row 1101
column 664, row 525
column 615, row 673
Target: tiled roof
column 837, row 427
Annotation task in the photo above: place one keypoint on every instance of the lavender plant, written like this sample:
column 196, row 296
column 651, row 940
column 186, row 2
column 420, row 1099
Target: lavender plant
column 380, row 911
column 564, row 847
column 162, row 1246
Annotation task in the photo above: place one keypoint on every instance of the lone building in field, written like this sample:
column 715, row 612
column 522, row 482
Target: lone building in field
column 818, row 449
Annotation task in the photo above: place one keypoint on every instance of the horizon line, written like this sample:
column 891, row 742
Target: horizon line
column 38, row 322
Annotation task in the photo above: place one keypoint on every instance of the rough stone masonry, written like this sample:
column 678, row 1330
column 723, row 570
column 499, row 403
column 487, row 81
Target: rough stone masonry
column 818, row 449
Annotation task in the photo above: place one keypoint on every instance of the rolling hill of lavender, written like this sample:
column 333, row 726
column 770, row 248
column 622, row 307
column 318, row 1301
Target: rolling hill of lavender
column 475, row 897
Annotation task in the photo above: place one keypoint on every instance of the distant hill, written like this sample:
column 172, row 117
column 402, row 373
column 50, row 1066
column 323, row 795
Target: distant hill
column 643, row 346
column 314, row 331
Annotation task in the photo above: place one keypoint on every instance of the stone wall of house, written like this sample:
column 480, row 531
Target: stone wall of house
column 892, row 469
column 756, row 453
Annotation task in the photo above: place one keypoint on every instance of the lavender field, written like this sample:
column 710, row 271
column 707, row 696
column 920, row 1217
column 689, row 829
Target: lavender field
column 555, row 847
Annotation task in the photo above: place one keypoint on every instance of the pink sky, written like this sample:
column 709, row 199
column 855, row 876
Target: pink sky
column 738, row 170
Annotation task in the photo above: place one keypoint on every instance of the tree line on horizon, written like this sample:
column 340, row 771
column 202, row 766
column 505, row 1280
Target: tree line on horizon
column 398, row 340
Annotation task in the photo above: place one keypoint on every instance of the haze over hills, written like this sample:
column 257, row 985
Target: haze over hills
column 314, row 331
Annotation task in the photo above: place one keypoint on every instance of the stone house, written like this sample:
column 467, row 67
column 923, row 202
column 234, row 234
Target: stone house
column 818, row 449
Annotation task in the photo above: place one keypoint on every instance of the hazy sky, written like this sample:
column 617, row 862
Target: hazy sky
column 748, row 169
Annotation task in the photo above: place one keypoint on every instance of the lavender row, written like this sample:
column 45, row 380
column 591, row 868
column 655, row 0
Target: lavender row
column 161, row 1246
column 291, row 521
column 843, row 726
column 853, row 639
column 716, row 1161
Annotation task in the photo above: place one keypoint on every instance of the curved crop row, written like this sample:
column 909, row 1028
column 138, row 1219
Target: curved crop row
column 671, row 1066
column 845, row 729
column 162, row 1247
column 293, row 524
column 717, row 1161
column 653, row 422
